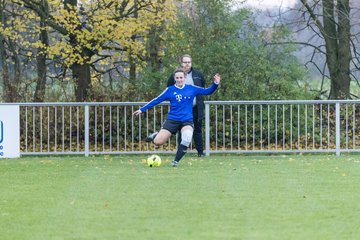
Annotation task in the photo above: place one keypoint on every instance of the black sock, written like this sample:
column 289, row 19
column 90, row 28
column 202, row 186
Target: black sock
column 181, row 151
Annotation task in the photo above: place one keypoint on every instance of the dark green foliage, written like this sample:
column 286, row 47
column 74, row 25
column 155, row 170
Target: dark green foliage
column 229, row 42
column 271, row 127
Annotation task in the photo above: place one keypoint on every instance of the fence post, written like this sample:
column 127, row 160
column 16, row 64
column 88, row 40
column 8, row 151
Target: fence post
column 337, row 128
column 87, row 130
column 207, row 129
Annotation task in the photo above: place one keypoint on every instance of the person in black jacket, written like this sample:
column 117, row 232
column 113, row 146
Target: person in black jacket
column 196, row 78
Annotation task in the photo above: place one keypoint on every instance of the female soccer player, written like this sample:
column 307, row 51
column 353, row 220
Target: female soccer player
column 180, row 116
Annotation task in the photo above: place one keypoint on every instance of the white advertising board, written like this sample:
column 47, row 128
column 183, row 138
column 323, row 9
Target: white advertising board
column 9, row 131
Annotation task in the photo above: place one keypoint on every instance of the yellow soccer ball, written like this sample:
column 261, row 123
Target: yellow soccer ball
column 153, row 161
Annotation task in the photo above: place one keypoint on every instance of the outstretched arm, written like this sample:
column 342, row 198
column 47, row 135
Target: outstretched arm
column 212, row 88
column 162, row 97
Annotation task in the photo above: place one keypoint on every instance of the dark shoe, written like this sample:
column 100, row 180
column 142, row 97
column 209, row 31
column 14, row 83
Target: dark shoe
column 151, row 137
column 174, row 163
column 201, row 154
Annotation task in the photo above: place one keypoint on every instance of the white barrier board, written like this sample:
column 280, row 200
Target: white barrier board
column 9, row 131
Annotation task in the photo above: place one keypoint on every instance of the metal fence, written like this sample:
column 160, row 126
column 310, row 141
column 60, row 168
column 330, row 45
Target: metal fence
column 230, row 126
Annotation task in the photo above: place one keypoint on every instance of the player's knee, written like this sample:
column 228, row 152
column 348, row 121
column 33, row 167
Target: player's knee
column 186, row 137
column 156, row 142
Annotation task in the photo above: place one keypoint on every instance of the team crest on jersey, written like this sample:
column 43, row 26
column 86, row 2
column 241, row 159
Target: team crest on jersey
column 178, row 97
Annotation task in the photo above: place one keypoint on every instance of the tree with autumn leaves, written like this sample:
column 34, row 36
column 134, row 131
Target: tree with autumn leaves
column 77, row 41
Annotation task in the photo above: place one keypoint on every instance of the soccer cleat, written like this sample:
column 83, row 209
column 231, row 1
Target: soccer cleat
column 174, row 163
column 151, row 137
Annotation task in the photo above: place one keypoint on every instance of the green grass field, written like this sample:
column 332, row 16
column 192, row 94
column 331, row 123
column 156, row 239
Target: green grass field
column 217, row 197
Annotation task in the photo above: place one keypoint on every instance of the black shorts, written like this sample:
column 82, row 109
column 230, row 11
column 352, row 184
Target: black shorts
column 174, row 126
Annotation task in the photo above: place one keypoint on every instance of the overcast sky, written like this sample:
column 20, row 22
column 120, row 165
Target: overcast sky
column 270, row 3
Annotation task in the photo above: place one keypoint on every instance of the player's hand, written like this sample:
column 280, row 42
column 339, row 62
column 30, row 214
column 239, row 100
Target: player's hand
column 137, row 112
column 217, row 78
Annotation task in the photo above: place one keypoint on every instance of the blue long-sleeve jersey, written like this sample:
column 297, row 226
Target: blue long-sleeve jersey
column 181, row 100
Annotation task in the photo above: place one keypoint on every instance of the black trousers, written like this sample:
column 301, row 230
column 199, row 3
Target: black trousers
column 197, row 135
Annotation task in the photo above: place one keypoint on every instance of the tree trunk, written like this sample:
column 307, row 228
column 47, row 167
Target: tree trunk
column 10, row 93
column 5, row 72
column 81, row 74
column 344, row 55
column 39, row 94
column 154, row 44
column 9, row 89
column 132, row 70
column 338, row 53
